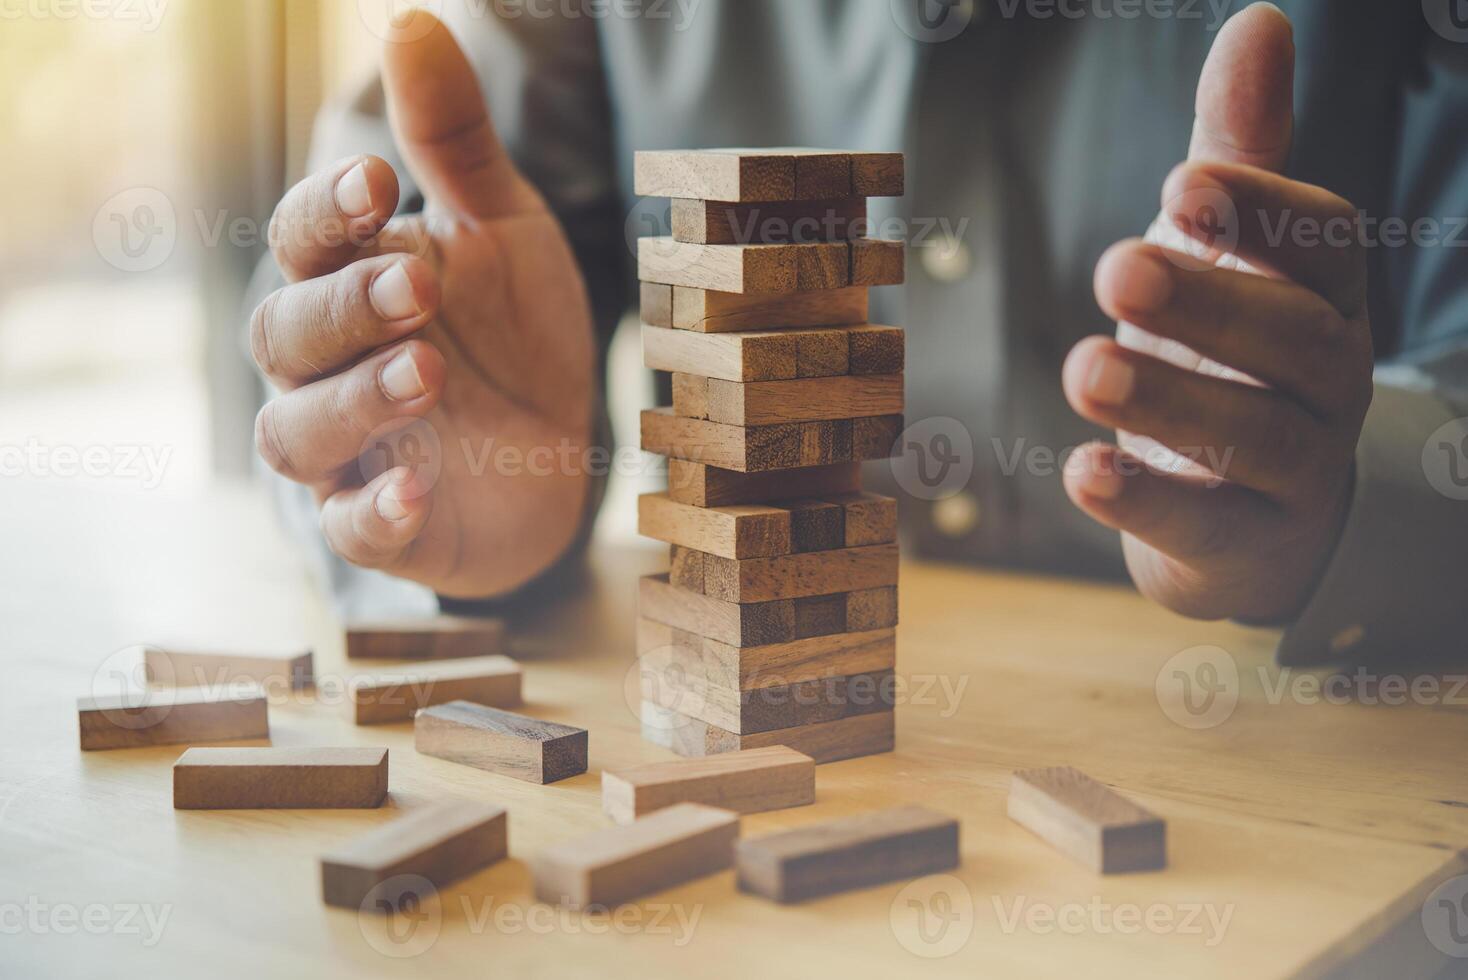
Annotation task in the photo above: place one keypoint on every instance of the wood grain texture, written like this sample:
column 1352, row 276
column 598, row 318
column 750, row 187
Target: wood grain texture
column 815, row 525
column 871, row 609
column 170, row 716
column 875, row 349
column 854, row 852
column 798, row 575
column 798, row 400
column 315, row 777
column 617, row 864
column 768, row 222
column 757, row 269
column 710, row 311
column 766, row 174
column 877, row 262
column 685, row 568
column 701, row 485
column 754, row 624
column 661, row 647
column 434, row 638
column 500, row 741
column 378, row 871
column 394, row 694
column 1088, row 820
column 655, row 304
column 866, row 518
column 759, row 448
column 767, row 709
column 877, row 174
column 768, row 355
column 750, row 781
column 737, row 530
column 875, row 437
column 827, row 741
column 690, row 396
column 181, row 664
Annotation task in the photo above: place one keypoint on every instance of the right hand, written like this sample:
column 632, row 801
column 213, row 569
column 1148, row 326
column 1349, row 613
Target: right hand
column 471, row 317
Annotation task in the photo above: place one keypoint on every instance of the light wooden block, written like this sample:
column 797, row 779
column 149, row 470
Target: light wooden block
column 620, row 863
column 312, row 777
column 738, row 530
column 169, row 716
column 656, row 304
column 378, row 870
column 799, row 400
column 701, row 485
column 877, row 174
column 395, row 694
column 661, row 647
column 768, row 709
column 766, row 174
column 744, row 268
column 753, row 624
column 192, row 665
column 798, row 575
column 1088, row 820
column 685, row 568
column 828, row 741
column 710, row 311
column 690, row 396
column 752, row 449
column 775, row 355
column 768, row 222
column 432, row 638
column 854, row 852
column 877, row 262
column 500, row 741
column 750, row 781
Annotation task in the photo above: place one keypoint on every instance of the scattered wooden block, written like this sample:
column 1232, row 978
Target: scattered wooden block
column 796, row 576
column 877, row 174
column 877, row 262
column 844, row 396
column 395, row 694
column 744, row 268
column 828, row 741
column 752, row 449
column 500, row 741
column 853, row 852
column 710, row 311
column 656, row 304
column 766, row 174
column 620, row 863
column 753, row 624
column 701, row 485
column 280, row 778
column 768, row 709
column 661, row 647
column 1088, row 820
column 738, row 530
column 750, row 781
column 774, row 355
column 191, row 665
column 440, row 637
column 768, row 222
column 170, row 716
column 440, row 844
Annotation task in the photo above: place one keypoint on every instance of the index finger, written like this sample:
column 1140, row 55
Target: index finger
column 325, row 220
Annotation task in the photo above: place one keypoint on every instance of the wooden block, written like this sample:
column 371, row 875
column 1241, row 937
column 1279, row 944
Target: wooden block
column 442, row 843
column 500, row 741
column 750, row 781
column 312, row 777
column 871, row 609
column 439, row 637
column 735, row 531
column 822, row 353
column 828, row 741
column 719, row 175
column 1088, row 820
column 395, row 694
column 757, row 448
column 867, row 518
column 877, row 174
column 795, row 576
column 617, row 864
column 877, row 262
column 767, row 709
column 170, row 716
column 656, row 304
column 691, row 396
column 709, row 311
column 190, row 665
column 702, row 485
column 799, row 400
column 874, row 349
column 685, row 569
column 815, row 525
column 661, row 647
column 820, row 615
column 744, row 268
column 854, row 852
column 769, row 355
column 768, row 222
column 753, row 624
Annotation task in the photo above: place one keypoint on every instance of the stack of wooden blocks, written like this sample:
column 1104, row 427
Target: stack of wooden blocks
column 776, row 623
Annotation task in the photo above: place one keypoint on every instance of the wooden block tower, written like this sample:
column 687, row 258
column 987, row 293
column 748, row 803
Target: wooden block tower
column 776, row 624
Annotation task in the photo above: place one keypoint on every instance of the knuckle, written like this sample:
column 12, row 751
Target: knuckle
column 270, row 444
column 264, row 341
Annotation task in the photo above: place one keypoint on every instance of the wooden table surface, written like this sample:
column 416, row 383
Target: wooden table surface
column 1304, row 836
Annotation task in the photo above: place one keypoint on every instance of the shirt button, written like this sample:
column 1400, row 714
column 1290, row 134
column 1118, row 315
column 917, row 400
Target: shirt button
column 956, row 516
column 948, row 259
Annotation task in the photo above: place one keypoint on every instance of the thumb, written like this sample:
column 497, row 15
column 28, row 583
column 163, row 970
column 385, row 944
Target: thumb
column 1245, row 107
column 441, row 125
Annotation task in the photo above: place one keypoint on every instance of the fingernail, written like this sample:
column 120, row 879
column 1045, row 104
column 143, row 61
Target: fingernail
column 1145, row 285
column 400, row 378
column 392, row 294
column 1111, row 381
column 352, row 195
column 1105, row 483
column 389, row 506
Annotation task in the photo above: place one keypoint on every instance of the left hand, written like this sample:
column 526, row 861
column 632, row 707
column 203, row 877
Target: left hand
column 1240, row 380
